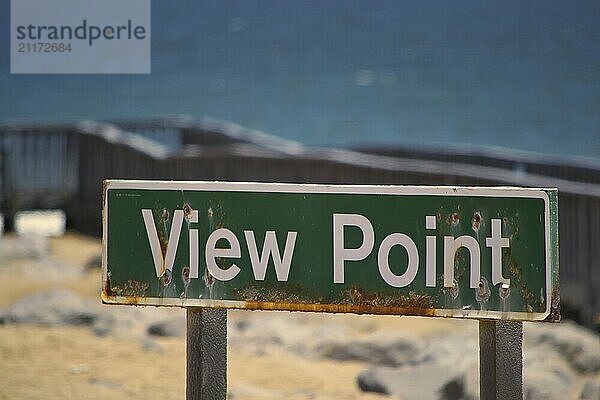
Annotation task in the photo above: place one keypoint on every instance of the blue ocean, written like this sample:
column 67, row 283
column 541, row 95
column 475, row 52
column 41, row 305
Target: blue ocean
column 514, row 74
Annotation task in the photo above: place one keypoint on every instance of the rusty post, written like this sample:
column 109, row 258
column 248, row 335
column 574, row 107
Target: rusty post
column 206, row 345
column 500, row 360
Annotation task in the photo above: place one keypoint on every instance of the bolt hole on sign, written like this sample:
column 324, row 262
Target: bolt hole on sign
column 465, row 252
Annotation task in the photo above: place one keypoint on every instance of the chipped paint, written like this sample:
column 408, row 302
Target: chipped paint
column 482, row 293
column 554, row 315
column 130, row 288
column 166, row 277
column 357, row 296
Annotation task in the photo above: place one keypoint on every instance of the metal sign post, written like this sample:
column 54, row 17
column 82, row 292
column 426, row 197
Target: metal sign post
column 500, row 360
column 485, row 253
column 206, row 353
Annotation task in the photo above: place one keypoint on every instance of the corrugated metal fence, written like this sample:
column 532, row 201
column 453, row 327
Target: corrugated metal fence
column 63, row 165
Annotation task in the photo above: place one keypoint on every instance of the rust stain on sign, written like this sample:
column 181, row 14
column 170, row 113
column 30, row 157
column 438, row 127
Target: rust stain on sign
column 340, row 308
column 353, row 300
column 357, row 296
column 555, row 303
column 271, row 293
column 130, row 288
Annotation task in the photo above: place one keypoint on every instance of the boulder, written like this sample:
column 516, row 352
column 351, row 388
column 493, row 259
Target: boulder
column 425, row 381
column 579, row 346
column 547, row 375
column 52, row 308
column 15, row 247
column 547, row 385
column 171, row 327
column 386, row 348
column 376, row 379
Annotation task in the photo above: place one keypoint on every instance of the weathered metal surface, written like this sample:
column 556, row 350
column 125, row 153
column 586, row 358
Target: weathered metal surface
column 500, row 360
column 206, row 350
column 524, row 287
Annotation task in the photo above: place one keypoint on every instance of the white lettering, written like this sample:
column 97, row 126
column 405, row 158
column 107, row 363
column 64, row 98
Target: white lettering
column 451, row 245
column 340, row 253
column 270, row 247
column 497, row 242
column 162, row 263
column 194, row 273
column 383, row 260
column 211, row 252
column 430, row 253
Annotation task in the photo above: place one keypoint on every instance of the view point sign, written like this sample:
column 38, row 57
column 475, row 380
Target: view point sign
column 407, row 250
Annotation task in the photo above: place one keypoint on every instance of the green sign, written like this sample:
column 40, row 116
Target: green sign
column 410, row 250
